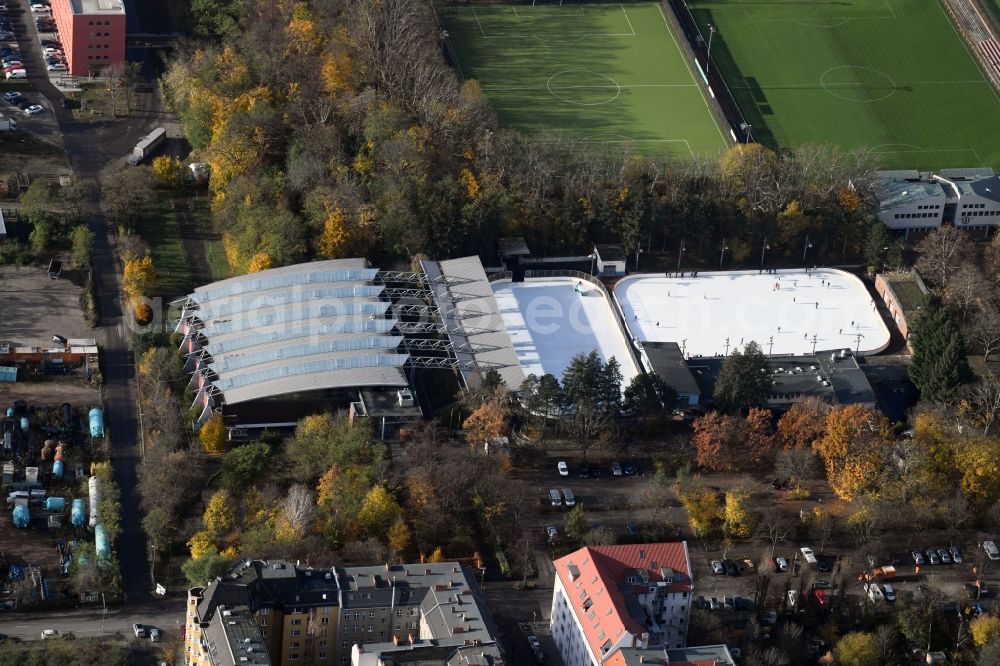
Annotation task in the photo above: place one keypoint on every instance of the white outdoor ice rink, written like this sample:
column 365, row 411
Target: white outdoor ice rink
column 794, row 309
column 549, row 323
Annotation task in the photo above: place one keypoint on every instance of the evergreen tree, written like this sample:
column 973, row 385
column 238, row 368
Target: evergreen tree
column 609, row 386
column 647, row 395
column 743, row 379
column 939, row 364
column 581, row 378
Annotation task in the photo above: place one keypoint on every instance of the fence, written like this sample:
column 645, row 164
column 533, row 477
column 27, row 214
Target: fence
column 725, row 102
column 590, row 279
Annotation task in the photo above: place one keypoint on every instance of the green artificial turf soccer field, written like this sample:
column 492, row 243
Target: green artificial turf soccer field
column 890, row 75
column 601, row 73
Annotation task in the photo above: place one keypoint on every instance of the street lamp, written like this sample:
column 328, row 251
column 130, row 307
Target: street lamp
column 722, row 255
column 593, row 260
column 680, row 255
column 806, row 249
column 708, row 59
column 770, row 345
column 764, row 248
column 638, row 251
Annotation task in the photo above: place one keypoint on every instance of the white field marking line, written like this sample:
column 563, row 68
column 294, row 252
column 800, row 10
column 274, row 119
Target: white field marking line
column 802, row 20
column 972, row 55
column 514, row 7
column 845, row 85
column 478, row 22
column 626, row 18
column 891, row 10
column 562, row 35
column 596, row 85
column 677, row 46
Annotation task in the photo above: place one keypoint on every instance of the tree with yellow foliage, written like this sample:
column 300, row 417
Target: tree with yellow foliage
column 220, row 513
column 978, row 460
column 378, row 511
column 737, row 520
column 201, row 544
column 213, row 435
column 399, row 537
column 138, row 277
column 334, row 240
column 259, row 262
column 436, row 556
column 168, row 171
column 984, row 629
column 142, row 313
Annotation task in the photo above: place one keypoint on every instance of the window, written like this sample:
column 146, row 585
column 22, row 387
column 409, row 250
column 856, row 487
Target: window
column 371, row 614
column 322, row 644
column 343, row 645
column 322, row 655
column 324, row 620
column 382, row 621
column 296, row 632
column 357, row 616
column 263, row 621
column 371, row 628
column 399, row 613
column 295, row 645
column 326, row 610
column 296, row 622
column 293, row 657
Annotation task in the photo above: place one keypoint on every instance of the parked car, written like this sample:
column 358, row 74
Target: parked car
column 56, row 67
column 874, row 592
column 632, row 530
column 49, row 633
column 918, row 557
column 584, row 472
column 551, row 532
column 808, row 555
column 11, row 97
column 890, row 594
column 154, row 634
column 563, row 468
column 932, row 557
column 956, row 554
column 718, row 568
column 991, row 550
column 140, row 631
column 822, row 585
column 770, row 617
column 568, row 498
column 944, row 555
column 780, row 564
column 628, row 468
column 39, row 7
column 555, row 497
column 33, row 110
column 731, row 568
column 616, row 469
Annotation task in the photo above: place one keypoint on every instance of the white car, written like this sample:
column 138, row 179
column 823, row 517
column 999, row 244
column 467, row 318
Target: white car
column 875, row 592
column 563, row 468
column 12, row 96
column 33, row 109
column 56, row 67
column 717, row 567
column 38, row 7
column 49, row 633
column 809, row 556
column 782, row 564
column 890, row 594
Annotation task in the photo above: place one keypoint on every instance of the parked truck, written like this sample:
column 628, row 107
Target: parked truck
column 147, row 145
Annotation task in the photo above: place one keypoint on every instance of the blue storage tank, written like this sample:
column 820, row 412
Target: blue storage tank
column 57, row 469
column 101, row 546
column 24, row 424
column 55, row 503
column 96, row 423
column 78, row 514
column 21, row 516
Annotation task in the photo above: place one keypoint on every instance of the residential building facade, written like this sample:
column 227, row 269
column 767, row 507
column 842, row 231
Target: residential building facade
column 609, row 598
column 353, row 615
column 92, row 33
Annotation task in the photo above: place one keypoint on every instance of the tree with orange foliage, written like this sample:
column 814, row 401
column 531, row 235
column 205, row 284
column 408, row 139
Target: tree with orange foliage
column 854, row 450
column 757, row 434
column 802, row 425
column 259, row 262
column 716, row 439
column 486, row 423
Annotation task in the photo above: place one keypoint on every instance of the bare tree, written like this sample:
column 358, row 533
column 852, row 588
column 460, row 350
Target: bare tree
column 942, row 252
column 298, row 507
column 821, row 528
column 985, row 331
column 798, row 464
column 774, row 529
column 982, row 401
column 966, row 286
column 885, row 640
column 587, row 426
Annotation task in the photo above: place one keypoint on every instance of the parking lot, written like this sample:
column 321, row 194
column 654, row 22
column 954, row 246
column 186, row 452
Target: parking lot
column 35, row 308
column 29, row 47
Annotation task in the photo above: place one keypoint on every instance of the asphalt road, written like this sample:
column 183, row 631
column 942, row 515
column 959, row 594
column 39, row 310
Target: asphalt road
column 164, row 615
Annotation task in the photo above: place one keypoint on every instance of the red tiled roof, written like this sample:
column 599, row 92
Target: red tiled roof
column 601, row 570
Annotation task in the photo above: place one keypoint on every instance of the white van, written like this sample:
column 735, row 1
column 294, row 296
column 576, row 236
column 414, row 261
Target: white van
column 17, row 74
column 991, row 550
column 808, row 555
column 568, row 498
column 555, row 497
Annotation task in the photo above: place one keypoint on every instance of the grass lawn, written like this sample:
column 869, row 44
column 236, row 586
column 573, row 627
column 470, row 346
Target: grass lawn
column 210, row 240
column 890, row 75
column 993, row 7
column 599, row 73
column 159, row 229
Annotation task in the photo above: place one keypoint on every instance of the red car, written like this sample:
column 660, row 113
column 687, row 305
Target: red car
column 820, row 597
